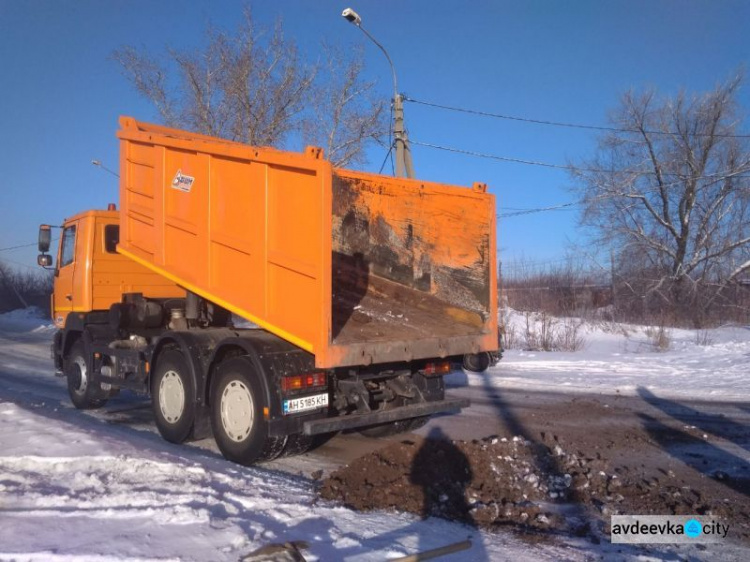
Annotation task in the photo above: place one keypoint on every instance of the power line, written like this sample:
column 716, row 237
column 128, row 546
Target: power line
column 8, row 249
column 505, row 158
column 568, row 125
column 514, row 209
column 540, row 209
column 723, row 175
column 715, row 178
column 5, row 260
column 17, row 247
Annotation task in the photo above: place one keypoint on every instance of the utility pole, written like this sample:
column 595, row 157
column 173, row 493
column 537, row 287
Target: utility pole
column 404, row 165
column 614, row 286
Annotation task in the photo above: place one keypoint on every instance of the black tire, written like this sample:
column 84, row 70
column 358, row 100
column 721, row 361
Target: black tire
column 84, row 394
column 416, row 423
column 299, row 443
column 173, row 397
column 237, row 403
column 477, row 362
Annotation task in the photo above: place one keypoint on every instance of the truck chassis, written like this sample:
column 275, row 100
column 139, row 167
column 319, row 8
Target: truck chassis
column 238, row 384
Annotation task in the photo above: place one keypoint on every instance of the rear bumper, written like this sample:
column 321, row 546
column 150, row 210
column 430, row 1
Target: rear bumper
column 329, row 425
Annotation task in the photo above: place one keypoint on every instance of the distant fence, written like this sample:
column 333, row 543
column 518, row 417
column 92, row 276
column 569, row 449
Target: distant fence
column 622, row 300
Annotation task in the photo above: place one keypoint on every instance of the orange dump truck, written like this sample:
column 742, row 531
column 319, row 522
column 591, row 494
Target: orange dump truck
column 268, row 297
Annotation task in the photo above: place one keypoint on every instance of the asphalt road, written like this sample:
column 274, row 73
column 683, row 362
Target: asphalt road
column 625, row 426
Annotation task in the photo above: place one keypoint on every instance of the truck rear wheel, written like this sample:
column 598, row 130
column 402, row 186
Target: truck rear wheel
column 173, row 397
column 237, row 405
column 477, row 362
column 84, row 393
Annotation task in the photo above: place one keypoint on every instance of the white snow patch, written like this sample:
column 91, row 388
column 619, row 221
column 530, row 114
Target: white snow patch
column 26, row 319
column 619, row 359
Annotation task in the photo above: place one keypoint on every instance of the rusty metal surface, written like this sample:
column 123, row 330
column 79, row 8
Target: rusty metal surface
column 388, row 311
column 435, row 239
column 411, row 269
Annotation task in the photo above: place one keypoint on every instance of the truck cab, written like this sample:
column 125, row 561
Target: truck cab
column 90, row 276
column 89, row 273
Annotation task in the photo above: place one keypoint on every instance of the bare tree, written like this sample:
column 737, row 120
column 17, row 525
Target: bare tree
column 21, row 289
column 344, row 108
column 253, row 86
column 669, row 191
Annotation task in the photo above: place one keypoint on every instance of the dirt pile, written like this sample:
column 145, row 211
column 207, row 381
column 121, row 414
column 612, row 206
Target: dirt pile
column 509, row 481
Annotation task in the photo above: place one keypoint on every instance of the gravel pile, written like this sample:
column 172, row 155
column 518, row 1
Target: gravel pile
column 534, row 487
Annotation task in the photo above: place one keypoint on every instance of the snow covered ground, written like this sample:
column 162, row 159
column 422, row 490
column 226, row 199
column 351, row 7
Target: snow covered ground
column 620, row 359
column 76, row 486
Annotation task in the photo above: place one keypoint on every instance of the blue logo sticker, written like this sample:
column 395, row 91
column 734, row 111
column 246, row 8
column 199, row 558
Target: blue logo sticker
column 693, row 528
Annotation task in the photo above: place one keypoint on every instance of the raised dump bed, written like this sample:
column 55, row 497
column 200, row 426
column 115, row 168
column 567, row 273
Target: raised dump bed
column 355, row 268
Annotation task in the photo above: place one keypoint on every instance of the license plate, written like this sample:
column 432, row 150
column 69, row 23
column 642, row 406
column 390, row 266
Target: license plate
column 294, row 405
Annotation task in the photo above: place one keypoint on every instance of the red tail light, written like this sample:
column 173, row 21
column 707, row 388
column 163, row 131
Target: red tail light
column 301, row 382
column 437, row 368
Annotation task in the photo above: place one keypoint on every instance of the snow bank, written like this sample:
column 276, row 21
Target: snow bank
column 26, row 320
column 72, row 492
column 622, row 359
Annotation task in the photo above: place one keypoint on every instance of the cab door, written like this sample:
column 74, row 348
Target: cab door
column 65, row 273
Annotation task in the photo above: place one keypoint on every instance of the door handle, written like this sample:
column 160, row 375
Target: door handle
column 69, row 297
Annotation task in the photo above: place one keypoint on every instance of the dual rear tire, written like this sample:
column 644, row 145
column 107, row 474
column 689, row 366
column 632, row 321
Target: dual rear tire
column 238, row 407
column 238, row 414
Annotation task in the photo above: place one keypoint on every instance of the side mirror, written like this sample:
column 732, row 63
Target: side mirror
column 45, row 237
column 44, row 260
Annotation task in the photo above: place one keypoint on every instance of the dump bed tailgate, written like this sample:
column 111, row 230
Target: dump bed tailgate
column 413, row 269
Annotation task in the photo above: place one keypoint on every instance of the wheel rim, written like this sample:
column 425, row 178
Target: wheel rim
column 81, row 381
column 171, row 396
column 237, row 410
column 477, row 363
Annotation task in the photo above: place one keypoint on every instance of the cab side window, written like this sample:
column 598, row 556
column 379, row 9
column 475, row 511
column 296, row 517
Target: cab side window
column 111, row 238
column 68, row 246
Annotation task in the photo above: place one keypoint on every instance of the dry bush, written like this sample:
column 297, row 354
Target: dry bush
column 569, row 337
column 543, row 332
column 538, row 334
column 703, row 338
column 659, row 337
column 508, row 333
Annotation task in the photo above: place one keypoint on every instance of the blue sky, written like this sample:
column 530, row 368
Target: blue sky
column 61, row 95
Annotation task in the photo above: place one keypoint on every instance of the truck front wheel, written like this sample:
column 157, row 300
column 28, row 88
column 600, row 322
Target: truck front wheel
column 237, row 404
column 82, row 390
column 173, row 397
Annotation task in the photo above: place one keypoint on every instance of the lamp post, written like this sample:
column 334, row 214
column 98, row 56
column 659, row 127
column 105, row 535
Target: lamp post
column 404, row 166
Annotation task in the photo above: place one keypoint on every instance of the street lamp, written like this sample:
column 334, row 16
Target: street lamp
column 404, row 166
column 103, row 167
